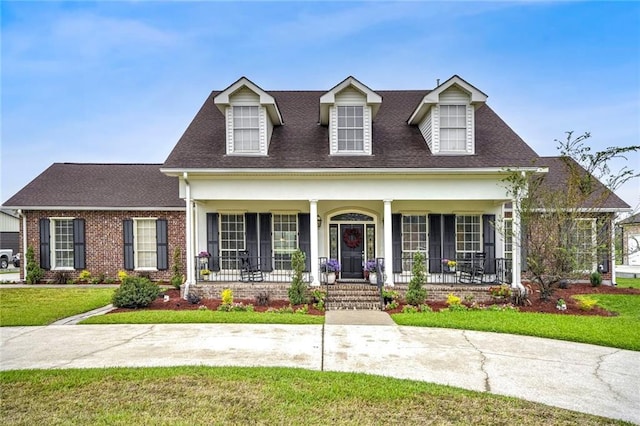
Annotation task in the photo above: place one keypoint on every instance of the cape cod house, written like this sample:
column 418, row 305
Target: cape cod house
column 348, row 173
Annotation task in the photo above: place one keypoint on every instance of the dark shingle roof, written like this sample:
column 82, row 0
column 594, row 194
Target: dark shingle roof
column 99, row 186
column 631, row 220
column 302, row 143
column 558, row 176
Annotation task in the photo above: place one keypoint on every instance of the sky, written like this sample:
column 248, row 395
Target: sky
column 120, row 81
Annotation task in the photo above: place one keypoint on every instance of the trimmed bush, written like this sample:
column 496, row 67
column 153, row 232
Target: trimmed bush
column 595, row 278
column 416, row 294
column 298, row 289
column 34, row 272
column 135, row 292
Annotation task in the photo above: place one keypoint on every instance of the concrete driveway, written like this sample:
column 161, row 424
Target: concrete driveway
column 587, row 378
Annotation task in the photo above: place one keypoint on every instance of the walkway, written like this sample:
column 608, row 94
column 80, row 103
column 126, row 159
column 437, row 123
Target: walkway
column 586, row 378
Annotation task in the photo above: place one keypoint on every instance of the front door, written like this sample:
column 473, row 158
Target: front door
column 351, row 250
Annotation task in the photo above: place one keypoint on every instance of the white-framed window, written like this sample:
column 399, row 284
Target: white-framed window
column 453, row 128
column 145, row 241
column 508, row 238
column 232, row 239
column 468, row 236
column 583, row 241
column 414, row 238
column 246, row 129
column 350, row 128
column 62, row 244
column 285, row 239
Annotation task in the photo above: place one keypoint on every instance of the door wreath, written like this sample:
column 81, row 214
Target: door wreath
column 352, row 237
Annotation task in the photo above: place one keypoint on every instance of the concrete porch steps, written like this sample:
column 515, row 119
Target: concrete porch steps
column 352, row 296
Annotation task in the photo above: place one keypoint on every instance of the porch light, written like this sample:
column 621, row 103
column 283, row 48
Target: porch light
column 319, row 221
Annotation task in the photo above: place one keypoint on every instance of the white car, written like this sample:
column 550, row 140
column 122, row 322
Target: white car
column 5, row 257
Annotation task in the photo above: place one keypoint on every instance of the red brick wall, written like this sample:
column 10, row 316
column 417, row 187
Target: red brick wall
column 104, row 238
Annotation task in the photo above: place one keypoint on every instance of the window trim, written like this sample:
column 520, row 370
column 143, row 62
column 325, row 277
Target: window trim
column 449, row 127
column 235, row 128
column 236, row 250
column 347, row 128
column 52, row 244
column 424, row 250
column 136, row 241
column 594, row 243
column 277, row 251
column 468, row 253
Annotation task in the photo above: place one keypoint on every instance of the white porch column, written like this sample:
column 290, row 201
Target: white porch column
column 388, row 244
column 516, row 256
column 313, row 212
column 190, row 255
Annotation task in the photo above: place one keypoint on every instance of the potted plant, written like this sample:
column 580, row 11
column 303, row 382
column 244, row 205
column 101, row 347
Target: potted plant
column 203, row 257
column 372, row 270
column 500, row 292
column 331, row 267
column 450, row 264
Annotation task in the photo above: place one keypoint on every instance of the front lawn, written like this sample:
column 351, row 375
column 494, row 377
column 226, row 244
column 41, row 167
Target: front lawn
column 265, row 396
column 628, row 282
column 205, row 316
column 619, row 332
column 42, row 306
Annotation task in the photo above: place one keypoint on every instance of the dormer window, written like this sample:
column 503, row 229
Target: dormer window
column 349, row 109
column 350, row 128
column 446, row 117
column 453, row 128
column 251, row 114
column 246, row 129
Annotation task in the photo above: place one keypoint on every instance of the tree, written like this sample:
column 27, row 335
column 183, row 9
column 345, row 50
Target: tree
column 416, row 294
column 298, row 289
column 558, row 214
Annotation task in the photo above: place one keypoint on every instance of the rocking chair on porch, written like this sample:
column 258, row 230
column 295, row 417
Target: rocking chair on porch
column 248, row 271
column 472, row 270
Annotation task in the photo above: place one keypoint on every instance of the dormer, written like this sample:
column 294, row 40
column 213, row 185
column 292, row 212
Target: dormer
column 250, row 115
column 446, row 117
column 349, row 109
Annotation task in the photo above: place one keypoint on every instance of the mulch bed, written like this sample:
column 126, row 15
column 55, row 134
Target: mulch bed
column 537, row 305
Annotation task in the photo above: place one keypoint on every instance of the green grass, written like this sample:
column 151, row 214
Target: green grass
column 618, row 332
column 208, row 316
column 263, row 396
column 628, row 282
column 42, row 306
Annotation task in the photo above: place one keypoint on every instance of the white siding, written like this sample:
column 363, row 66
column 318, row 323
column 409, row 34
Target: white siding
column 9, row 223
column 454, row 95
column 366, row 116
column 350, row 96
column 471, row 138
column 244, row 96
column 436, row 129
column 263, row 119
column 229, row 130
column 426, row 129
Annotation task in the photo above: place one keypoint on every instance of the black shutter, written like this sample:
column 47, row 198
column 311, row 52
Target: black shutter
column 213, row 242
column 45, row 237
column 127, row 229
column 162, row 244
column 251, row 237
column 449, row 236
column 304, row 237
column 265, row 242
column 435, row 243
column 396, row 242
column 79, row 246
column 489, row 243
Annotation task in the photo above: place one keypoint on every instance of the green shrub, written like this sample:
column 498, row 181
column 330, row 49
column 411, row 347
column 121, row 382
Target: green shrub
column 62, row 277
column 84, row 275
column 452, row 299
column 176, row 269
column 416, row 294
column 409, row 309
column 297, row 290
column 586, row 304
column 227, row 296
column 34, row 272
column 595, row 278
column 135, row 292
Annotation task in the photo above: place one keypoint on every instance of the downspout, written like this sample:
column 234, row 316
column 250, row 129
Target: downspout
column 23, row 255
column 189, row 236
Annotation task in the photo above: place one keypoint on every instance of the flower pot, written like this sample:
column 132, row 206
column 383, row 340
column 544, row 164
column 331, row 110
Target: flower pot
column 373, row 277
column 331, row 277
